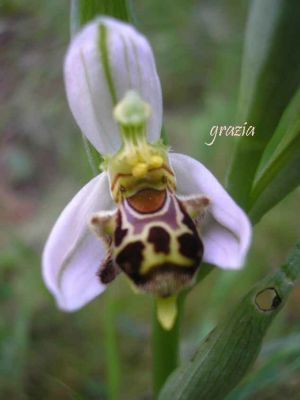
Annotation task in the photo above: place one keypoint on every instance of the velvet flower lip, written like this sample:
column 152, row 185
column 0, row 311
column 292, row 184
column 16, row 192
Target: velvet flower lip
column 153, row 215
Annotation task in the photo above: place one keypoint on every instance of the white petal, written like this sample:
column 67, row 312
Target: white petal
column 73, row 254
column 227, row 231
column 92, row 95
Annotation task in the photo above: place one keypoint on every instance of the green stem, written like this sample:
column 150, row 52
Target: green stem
column 82, row 11
column 165, row 348
column 111, row 349
column 165, row 344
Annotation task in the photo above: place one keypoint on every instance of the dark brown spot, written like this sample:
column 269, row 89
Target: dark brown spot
column 107, row 271
column 119, row 233
column 160, row 239
column 191, row 246
column 187, row 220
column 147, row 201
column 130, row 258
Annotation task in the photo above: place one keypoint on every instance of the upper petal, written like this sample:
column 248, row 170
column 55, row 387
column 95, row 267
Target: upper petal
column 105, row 60
column 226, row 231
column 73, row 254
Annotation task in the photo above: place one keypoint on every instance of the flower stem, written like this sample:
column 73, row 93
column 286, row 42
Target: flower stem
column 165, row 348
column 83, row 11
column 111, row 349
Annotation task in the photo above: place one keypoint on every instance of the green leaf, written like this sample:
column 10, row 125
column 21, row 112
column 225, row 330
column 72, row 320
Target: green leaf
column 287, row 129
column 230, row 349
column 277, row 181
column 281, row 173
column 270, row 77
column 281, row 363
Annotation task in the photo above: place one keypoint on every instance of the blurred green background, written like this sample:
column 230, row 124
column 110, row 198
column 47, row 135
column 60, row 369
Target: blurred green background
column 45, row 353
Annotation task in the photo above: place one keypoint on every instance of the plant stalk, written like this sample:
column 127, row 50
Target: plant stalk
column 165, row 348
column 113, row 369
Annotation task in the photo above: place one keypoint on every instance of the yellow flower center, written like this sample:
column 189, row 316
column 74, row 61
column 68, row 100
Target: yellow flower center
column 137, row 163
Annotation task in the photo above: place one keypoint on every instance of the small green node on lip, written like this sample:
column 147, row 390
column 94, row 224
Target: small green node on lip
column 267, row 300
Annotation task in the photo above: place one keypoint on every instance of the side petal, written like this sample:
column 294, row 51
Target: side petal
column 226, row 230
column 105, row 60
column 73, row 254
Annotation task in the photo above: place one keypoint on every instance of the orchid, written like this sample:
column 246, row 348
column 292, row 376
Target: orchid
column 152, row 214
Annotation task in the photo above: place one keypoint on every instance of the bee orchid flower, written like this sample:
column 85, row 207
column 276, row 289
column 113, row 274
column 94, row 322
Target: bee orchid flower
column 153, row 215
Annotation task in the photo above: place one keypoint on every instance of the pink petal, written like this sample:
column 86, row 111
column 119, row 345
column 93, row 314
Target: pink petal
column 73, row 254
column 226, row 232
column 105, row 60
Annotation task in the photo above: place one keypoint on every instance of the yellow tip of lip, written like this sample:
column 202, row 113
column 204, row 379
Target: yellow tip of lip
column 166, row 311
column 140, row 170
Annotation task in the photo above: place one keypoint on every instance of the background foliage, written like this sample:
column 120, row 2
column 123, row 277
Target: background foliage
column 45, row 353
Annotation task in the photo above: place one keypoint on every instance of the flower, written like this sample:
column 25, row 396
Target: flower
column 152, row 214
